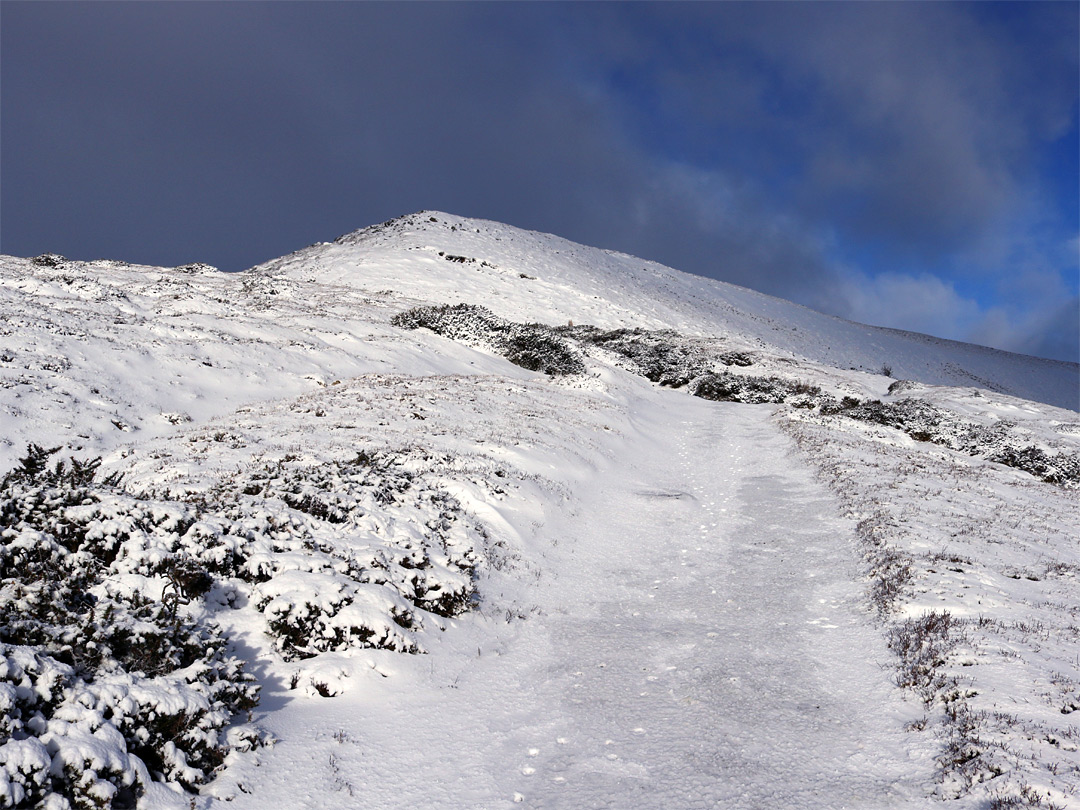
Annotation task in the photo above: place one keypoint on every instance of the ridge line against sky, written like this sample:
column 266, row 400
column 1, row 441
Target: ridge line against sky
column 910, row 165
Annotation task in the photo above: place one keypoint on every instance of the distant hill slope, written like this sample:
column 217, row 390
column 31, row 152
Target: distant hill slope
column 524, row 275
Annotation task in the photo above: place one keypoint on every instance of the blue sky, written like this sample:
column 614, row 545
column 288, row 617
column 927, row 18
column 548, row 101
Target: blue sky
column 906, row 164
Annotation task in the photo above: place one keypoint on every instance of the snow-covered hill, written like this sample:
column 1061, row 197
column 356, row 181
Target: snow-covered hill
column 715, row 556
column 99, row 349
column 524, row 275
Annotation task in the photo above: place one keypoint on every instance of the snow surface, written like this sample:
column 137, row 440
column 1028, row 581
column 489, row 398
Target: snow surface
column 675, row 597
column 696, row 638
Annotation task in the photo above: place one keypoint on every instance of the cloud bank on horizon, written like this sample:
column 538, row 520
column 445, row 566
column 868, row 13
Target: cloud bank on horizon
column 903, row 164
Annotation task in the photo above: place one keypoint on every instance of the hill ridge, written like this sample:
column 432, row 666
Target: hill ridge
column 486, row 262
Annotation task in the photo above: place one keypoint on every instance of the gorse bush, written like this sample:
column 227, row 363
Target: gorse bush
column 49, row 260
column 664, row 357
column 113, row 672
column 315, row 546
column 101, row 688
column 533, row 346
column 728, row 387
column 1054, row 468
column 661, row 357
column 536, row 350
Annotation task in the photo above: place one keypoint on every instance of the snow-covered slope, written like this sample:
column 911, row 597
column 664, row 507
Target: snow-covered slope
column 529, row 276
column 95, row 350
column 460, row 582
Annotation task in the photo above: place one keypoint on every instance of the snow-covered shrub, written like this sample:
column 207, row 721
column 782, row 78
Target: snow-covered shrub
column 728, row 387
column 661, row 357
column 1000, row 443
column 197, row 267
column 345, row 554
column 1056, row 468
column 102, row 686
column 49, row 260
column 664, row 357
column 533, row 346
column 916, row 417
column 112, row 672
column 311, row 612
column 900, row 386
column 674, row 360
column 535, row 349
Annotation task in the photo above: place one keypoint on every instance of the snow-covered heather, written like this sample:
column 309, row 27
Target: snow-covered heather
column 1000, row 554
column 462, row 583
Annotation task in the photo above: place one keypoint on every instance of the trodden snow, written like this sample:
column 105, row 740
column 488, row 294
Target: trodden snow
column 696, row 639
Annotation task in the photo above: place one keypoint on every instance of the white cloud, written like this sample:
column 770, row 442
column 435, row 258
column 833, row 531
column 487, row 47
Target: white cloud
column 1042, row 321
column 922, row 303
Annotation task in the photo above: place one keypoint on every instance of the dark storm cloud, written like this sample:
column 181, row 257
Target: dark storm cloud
column 284, row 124
column 154, row 129
column 756, row 143
column 142, row 130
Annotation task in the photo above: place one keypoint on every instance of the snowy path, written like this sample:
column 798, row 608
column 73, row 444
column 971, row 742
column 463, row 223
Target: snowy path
column 723, row 661
column 697, row 641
